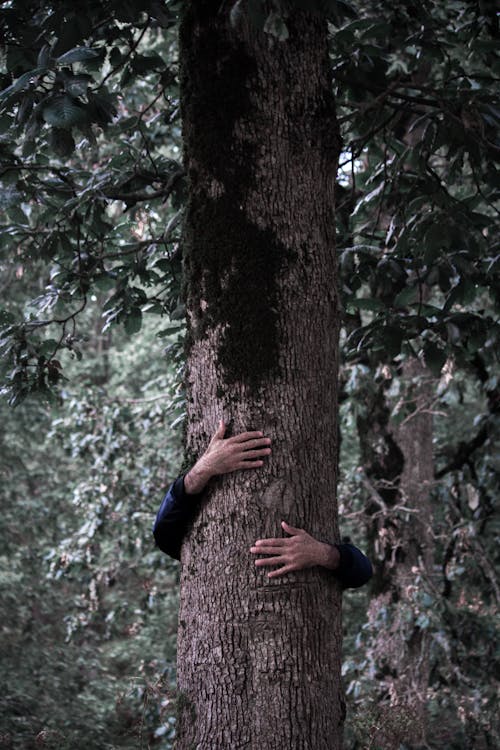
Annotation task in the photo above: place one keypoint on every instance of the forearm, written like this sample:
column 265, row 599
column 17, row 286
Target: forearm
column 180, row 505
column 174, row 517
column 197, row 478
column 327, row 555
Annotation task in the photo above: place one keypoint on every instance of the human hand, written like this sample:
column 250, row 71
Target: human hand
column 224, row 455
column 296, row 552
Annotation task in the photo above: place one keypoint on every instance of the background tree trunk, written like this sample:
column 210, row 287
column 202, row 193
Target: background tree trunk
column 414, row 436
column 259, row 659
column 399, row 463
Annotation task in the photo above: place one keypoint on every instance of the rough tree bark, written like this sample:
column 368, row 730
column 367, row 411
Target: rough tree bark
column 259, row 659
column 414, row 436
column 400, row 464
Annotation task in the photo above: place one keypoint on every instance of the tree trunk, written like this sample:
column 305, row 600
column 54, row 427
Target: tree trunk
column 414, row 436
column 398, row 459
column 259, row 658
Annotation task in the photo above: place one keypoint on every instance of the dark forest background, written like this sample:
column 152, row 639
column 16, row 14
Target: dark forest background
column 91, row 337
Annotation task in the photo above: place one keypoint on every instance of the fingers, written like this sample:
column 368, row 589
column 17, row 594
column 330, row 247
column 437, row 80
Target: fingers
column 281, row 571
column 286, row 565
column 255, row 453
column 279, row 559
column 280, row 542
column 221, row 429
column 248, row 465
column 269, row 561
column 219, row 433
column 248, row 459
column 291, row 529
column 265, row 549
column 243, row 437
column 278, row 555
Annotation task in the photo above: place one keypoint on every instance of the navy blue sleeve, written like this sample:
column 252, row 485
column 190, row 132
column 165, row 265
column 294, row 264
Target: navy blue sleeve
column 176, row 513
column 354, row 569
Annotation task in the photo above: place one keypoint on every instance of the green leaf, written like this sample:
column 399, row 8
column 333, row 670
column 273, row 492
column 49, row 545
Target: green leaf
column 484, row 45
column 179, row 313
column 78, row 54
column 143, row 64
column 390, row 338
column 434, row 357
column 369, row 197
column 105, row 282
column 10, row 195
column 64, row 112
column 453, row 333
column 22, row 82
column 406, row 297
column 43, row 56
column 427, row 599
column 61, row 141
column 78, row 85
column 423, row 621
column 25, row 108
column 256, row 13
column 463, row 293
column 156, row 308
column 48, row 346
column 167, row 331
column 133, row 322
column 115, row 57
column 5, row 123
column 17, row 215
column 101, row 107
column 435, row 238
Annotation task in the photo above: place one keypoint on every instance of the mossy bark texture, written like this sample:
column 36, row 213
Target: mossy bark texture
column 259, row 658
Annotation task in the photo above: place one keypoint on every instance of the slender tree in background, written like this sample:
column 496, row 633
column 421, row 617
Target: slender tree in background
column 432, row 183
column 259, row 659
column 399, row 466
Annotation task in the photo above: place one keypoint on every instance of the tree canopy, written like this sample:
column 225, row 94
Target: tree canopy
column 90, row 156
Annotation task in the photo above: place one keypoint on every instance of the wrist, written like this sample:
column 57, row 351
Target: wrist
column 197, row 478
column 328, row 556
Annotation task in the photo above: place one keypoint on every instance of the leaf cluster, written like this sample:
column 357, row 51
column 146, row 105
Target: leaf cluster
column 417, row 89
column 89, row 159
column 88, row 633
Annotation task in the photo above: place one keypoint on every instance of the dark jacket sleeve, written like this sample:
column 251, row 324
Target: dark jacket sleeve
column 176, row 513
column 354, row 569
